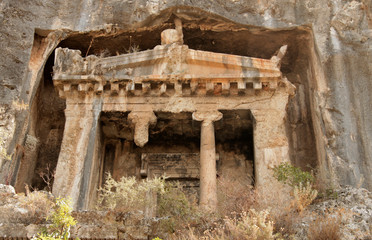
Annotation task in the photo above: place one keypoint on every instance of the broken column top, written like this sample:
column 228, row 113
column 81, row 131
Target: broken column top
column 170, row 36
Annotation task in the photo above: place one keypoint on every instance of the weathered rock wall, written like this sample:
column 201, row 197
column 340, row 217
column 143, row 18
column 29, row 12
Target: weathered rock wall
column 339, row 71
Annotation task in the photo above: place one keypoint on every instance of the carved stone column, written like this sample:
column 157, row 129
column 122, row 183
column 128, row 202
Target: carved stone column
column 208, row 181
column 77, row 162
column 141, row 122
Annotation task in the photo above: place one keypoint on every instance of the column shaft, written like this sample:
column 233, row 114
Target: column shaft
column 208, row 173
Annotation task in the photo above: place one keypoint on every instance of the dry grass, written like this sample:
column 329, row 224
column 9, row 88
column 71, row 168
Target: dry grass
column 235, row 196
column 285, row 223
column 252, row 225
column 325, row 228
column 304, row 196
column 38, row 203
column 247, row 213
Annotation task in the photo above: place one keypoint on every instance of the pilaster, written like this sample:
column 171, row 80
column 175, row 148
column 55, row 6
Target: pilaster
column 270, row 145
column 78, row 152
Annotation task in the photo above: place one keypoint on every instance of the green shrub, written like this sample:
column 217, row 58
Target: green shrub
column 291, row 175
column 175, row 209
column 328, row 193
column 61, row 222
column 301, row 183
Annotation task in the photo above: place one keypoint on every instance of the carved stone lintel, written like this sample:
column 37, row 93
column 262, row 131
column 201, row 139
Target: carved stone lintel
column 141, row 122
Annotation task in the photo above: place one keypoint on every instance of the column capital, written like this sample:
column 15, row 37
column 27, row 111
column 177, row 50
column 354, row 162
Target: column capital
column 207, row 116
column 142, row 116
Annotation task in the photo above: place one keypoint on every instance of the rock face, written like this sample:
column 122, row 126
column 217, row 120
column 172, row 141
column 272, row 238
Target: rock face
column 327, row 122
column 354, row 213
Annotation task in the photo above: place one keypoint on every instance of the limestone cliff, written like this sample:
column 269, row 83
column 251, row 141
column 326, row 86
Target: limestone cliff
column 329, row 121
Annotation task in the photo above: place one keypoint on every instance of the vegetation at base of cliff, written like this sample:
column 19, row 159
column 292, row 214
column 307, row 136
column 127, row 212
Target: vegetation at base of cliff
column 175, row 208
column 61, row 222
column 38, row 203
column 327, row 227
column 301, row 182
column 128, row 194
column 243, row 212
column 291, row 175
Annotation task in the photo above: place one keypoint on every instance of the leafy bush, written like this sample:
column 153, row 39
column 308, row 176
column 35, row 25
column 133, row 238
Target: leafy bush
column 301, row 183
column 246, row 212
column 175, row 209
column 128, row 194
column 291, row 175
column 61, row 222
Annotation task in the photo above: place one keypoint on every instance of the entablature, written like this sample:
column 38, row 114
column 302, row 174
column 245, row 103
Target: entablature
column 166, row 69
